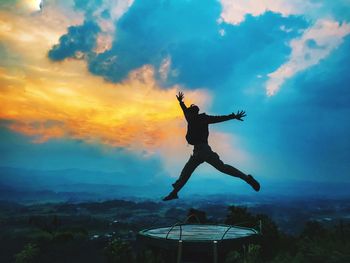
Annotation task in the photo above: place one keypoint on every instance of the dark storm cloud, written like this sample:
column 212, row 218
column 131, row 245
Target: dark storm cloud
column 78, row 39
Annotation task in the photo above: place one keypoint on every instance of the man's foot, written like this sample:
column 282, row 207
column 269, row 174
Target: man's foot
column 253, row 183
column 171, row 196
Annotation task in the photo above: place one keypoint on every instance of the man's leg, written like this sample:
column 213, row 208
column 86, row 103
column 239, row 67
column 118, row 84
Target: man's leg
column 186, row 173
column 215, row 161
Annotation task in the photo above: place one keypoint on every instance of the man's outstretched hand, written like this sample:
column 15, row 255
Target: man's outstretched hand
column 239, row 115
column 180, row 96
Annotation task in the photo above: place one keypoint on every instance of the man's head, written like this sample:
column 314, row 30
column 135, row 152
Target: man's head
column 193, row 109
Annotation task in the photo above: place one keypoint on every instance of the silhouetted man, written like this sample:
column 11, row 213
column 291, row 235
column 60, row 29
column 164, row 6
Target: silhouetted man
column 197, row 135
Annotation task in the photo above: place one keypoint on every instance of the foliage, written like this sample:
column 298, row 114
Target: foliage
column 234, row 257
column 28, row 254
column 118, row 251
column 196, row 216
column 149, row 256
column 271, row 238
column 317, row 244
column 312, row 230
column 250, row 254
column 44, row 234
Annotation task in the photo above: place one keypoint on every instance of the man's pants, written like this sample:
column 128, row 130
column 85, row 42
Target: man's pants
column 203, row 153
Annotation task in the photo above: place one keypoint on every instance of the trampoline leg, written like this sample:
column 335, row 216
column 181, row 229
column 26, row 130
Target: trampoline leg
column 260, row 227
column 179, row 252
column 244, row 254
column 215, row 251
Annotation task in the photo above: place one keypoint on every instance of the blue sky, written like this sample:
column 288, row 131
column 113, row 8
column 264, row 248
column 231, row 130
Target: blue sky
column 92, row 84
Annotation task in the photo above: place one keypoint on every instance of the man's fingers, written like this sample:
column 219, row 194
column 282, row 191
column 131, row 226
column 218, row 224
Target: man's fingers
column 241, row 114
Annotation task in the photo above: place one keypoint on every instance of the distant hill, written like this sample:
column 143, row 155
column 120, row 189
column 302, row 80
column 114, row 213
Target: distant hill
column 74, row 184
column 52, row 178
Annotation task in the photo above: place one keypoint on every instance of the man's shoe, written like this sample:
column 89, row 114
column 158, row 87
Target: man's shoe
column 253, row 183
column 171, row 196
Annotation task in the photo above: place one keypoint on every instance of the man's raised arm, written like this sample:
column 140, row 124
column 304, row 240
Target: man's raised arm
column 238, row 116
column 180, row 97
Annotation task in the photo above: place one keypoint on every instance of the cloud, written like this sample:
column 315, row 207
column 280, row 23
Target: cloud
column 111, row 116
column 34, row 5
column 188, row 48
column 310, row 126
column 105, row 13
column 21, row 6
column 79, row 39
column 325, row 85
column 5, row 4
column 21, row 31
column 106, row 9
column 127, row 167
column 235, row 12
column 52, row 102
column 315, row 44
column 151, row 39
column 48, row 100
column 337, row 10
column 323, row 16
column 148, row 50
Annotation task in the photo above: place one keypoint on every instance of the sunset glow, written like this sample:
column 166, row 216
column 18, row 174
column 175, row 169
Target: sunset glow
column 45, row 100
column 101, row 78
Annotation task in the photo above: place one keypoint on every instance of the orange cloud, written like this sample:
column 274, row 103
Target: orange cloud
column 133, row 114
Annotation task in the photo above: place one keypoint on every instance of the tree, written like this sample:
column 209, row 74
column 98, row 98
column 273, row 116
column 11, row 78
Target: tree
column 270, row 240
column 196, row 216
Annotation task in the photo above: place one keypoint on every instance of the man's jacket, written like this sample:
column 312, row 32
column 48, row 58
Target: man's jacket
column 198, row 125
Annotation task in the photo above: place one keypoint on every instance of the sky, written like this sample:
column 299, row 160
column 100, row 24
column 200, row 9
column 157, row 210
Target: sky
column 92, row 84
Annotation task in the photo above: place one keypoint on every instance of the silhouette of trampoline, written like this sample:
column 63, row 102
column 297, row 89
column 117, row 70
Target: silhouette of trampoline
column 199, row 233
column 205, row 239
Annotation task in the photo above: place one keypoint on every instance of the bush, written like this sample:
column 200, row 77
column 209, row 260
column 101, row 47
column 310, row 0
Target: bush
column 118, row 251
column 28, row 254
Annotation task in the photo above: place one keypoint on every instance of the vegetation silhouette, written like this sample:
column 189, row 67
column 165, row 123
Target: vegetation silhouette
column 79, row 235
